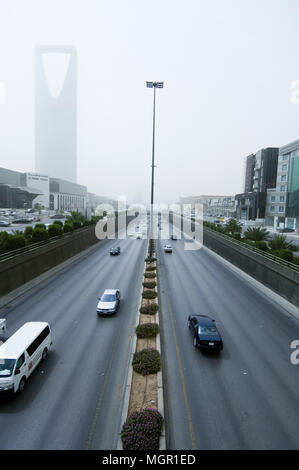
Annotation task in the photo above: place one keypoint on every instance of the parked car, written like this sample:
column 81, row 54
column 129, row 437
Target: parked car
column 115, row 251
column 168, row 249
column 285, row 230
column 22, row 220
column 205, row 333
column 109, row 302
column 174, row 237
column 57, row 216
column 4, row 223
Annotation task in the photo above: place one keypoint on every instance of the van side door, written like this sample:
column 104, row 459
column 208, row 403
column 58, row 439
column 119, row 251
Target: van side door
column 20, row 370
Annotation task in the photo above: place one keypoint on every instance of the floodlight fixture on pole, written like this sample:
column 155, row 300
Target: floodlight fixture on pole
column 153, row 85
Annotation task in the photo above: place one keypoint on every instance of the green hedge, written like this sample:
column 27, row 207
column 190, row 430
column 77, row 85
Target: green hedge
column 149, row 294
column 147, row 361
column 150, row 309
column 149, row 285
column 147, row 330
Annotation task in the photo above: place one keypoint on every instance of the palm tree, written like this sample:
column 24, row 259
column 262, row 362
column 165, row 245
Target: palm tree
column 279, row 242
column 257, row 234
column 233, row 226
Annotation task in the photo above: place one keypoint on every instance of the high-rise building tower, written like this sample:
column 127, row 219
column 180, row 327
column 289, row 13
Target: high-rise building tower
column 56, row 112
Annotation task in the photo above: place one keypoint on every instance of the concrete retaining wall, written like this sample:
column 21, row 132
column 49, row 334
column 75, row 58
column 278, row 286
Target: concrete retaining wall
column 19, row 269
column 277, row 277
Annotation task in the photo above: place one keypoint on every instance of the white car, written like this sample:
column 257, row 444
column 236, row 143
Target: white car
column 168, row 249
column 109, row 302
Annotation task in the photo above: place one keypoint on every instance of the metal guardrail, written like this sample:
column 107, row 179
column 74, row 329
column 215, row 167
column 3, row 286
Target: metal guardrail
column 34, row 246
column 274, row 258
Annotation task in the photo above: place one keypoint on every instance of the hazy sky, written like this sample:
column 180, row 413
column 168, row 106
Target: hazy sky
column 227, row 67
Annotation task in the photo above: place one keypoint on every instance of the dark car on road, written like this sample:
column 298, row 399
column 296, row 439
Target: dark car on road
column 115, row 251
column 205, row 333
column 174, row 237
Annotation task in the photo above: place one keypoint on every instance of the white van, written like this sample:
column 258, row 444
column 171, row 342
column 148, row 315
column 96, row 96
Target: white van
column 21, row 353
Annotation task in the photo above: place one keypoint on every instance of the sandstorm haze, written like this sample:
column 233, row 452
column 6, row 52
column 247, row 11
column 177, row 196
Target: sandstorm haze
column 227, row 68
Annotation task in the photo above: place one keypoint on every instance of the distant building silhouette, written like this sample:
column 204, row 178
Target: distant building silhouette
column 56, row 114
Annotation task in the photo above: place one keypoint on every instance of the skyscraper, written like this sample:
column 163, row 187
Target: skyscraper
column 56, row 112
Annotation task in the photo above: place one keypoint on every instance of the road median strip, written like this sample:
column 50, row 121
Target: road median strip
column 143, row 411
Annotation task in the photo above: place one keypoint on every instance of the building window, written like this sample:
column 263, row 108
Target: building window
column 282, row 188
column 272, row 208
column 272, row 198
column 283, row 177
column 281, row 209
column 285, row 157
column 284, row 167
column 281, row 199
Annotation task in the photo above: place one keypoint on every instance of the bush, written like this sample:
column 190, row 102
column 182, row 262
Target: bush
column 237, row 236
column 149, row 275
column 54, row 230
column 28, row 232
column 76, row 224
column 149, row 294
column 142, row 430
column 149, row 285
column 58, row 222
column 14, row 242
column 147, row 330
column 146, row 361
column 68, row 227
column 40, row 226
column 150, row 309
column 151, row 268
column 39, row 234
column 150, row 260
column 286, row 255
column 261, row 245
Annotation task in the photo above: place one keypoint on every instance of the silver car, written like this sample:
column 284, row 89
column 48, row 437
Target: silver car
column 109, row 302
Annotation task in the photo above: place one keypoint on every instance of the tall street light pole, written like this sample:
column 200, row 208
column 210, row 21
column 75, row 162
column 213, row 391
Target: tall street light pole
column 153, row 85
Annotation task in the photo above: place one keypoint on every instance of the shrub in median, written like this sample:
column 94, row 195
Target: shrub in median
column 149, row 285
column 151, row 268
column 150, row 275
column 150, row 259
column 149, row 294
column 147, row 330
column 142, row 430
column 150, row 309
column 147, row 361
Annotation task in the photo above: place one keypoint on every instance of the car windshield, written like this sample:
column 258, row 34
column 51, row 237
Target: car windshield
column 108, row 298
column 207, row 330
column 6, row 367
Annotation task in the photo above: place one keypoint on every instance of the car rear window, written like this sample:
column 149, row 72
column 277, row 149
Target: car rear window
column 207, row 330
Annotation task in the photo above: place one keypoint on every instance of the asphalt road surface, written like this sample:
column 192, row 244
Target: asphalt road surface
column 74, row 399
column 247, row 396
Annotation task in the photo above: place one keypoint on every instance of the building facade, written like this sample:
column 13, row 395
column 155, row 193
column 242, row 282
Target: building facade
column 260, row 176
column 67, row 196
column 282, row 208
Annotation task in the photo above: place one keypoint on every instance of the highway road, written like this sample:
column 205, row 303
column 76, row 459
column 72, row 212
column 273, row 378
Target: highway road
column 74, row 399
column 245, row 397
